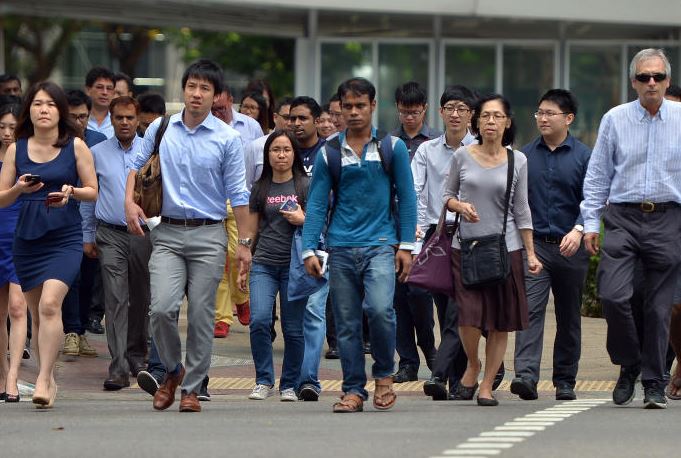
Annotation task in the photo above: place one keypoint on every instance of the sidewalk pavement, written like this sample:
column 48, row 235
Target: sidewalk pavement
column 232, row 371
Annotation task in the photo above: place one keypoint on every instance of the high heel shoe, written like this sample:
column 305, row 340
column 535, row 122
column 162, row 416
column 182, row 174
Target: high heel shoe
column 465, row 393
column 42, row 402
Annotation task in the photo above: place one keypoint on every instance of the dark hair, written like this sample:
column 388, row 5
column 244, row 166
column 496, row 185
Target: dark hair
column 10, row 108
column 509, row 134
column 261, row 86
column 67, row 130
column 152, row 103
column 326, row 108
column 674, row 91
column 565, row 100
column 282, row 103
column 207, row 70
column 124, row 100
column 411, row 94
column 358, row 86
column 10, row 100
column 76, row 98
column 460, row 93
column 334, row 98
column 7, row 77
column 122, row 76
column 262, row 108
column 96, row 73
column 262, row 186
column 309, row 102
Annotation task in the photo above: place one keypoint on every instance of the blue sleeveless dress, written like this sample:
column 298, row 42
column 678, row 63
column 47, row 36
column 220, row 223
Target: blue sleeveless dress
column 8, row 223
column 48, row 242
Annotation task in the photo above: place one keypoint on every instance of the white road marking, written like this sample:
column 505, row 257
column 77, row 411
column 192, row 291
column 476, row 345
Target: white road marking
column 506, row 434
column 488, row 445
column 471, row 452
column 496, row 439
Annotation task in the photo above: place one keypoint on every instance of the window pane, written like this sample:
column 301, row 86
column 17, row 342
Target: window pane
column 672, row 53
column 595, row 81
column 341, row 61
column 528, row 74
column 471, row 66
column 397, row 64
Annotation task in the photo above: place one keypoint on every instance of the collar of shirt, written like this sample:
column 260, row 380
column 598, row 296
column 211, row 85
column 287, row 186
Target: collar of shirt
column 135, row 139
column 237, row 118
column 209, row 122
column 568, row 144
column 466, row 140
column 643, row 114
column 342, row 135
column 425, row 131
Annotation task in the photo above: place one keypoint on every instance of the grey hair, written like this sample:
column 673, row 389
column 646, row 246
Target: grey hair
column 646, row 54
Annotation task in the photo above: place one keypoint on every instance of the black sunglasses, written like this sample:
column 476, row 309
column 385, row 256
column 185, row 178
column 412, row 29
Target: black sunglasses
column 645, row 77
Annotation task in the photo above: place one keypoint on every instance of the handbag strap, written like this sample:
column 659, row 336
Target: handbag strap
column 159, row 135
column 509, row 184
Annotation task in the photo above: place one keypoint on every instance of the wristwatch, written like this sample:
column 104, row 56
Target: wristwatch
column 245, row 242
column 579, row 228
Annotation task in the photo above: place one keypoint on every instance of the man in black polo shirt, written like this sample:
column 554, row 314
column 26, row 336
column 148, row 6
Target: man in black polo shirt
column 557, row 164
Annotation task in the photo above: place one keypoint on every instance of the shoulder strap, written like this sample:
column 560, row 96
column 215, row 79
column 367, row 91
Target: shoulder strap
column 509, row 184
column 333, row 161
column 159, row 134
column 385, row 152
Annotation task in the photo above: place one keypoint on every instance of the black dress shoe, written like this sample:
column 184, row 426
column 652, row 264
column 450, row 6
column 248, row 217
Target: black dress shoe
column 565, row 392
column 136, row 368
column 525, row 388
column 405, row 374
column 436, row 389
column 332, row 353
column 499, row 377
column 487, row 402
column 95, row 327
column 115, row 384
column 465, row 393
column 624, row 390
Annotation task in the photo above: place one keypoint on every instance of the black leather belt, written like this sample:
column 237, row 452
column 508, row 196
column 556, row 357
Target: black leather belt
column 548, row 239
column 190, row 222
column 649, row 207
column 116, row 227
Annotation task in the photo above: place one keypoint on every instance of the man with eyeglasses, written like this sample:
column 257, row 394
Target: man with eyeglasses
column 635, row 170
column 556, row 165
column 99, row 85
column 336, row 113
column 413, row 306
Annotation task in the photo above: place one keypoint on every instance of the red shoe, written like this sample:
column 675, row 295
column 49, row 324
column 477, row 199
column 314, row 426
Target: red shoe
column 243, row 313
column 221, row 330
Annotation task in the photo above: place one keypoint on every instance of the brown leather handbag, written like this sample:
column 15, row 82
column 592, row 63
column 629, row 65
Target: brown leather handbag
column 148, row 182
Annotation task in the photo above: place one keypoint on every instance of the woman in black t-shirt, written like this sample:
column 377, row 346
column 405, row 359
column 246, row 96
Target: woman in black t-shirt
column 283, row 183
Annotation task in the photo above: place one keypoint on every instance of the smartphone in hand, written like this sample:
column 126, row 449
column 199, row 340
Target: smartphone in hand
column 289, row 206
column 33, row 179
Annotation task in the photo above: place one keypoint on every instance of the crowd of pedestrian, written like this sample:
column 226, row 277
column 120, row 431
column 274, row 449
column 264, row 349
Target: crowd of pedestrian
column 307, row 213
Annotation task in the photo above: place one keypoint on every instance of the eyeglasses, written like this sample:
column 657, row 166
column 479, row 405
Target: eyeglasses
column 335, row 114
column 548, row 114
column 283, row 116
column 104, row 87
column 79, row 117
column 496, row 115
column 645, row 77
column 412, row 113
column 451, row 109
column 245, row 106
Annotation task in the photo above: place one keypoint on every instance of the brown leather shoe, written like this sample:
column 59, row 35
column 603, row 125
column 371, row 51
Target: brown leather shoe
column 165, row 395
column 190, row 403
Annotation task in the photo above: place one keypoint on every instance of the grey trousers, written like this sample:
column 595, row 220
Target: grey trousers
column 565, row 277
column 653, row 239
column 193, row 257
column 124, row 262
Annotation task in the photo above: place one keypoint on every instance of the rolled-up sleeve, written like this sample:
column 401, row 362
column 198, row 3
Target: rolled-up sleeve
column 234, row 172
column 146, row 146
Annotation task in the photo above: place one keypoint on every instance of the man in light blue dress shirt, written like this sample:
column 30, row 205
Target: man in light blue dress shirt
column 203, row 166
column 123, row 257
column 634, row 182
column 99, row 85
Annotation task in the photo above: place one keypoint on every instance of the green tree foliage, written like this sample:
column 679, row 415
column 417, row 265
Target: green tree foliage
column 267, row 58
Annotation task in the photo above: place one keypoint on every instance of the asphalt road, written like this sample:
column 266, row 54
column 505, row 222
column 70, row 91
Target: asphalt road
column 232, row 426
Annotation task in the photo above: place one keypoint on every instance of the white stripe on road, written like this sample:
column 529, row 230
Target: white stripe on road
column 492, row 443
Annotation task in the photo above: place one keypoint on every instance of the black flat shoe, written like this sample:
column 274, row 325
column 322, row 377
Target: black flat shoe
column 12, row 398
column 466, row 393
column 3, row 396
column 436, row 389
column 487, row 402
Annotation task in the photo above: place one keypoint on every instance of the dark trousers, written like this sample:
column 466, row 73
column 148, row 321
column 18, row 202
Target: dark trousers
column 565, row 277
column 73, row 316
column 414, row 311
column 633, row 236
column 450, row 359
column 91, row 292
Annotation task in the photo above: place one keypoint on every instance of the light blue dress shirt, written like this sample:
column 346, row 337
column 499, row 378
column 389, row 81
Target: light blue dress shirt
column 112, row 164
column 104, row 128
column 248, row 127
column 202, row 167
column 636, row 158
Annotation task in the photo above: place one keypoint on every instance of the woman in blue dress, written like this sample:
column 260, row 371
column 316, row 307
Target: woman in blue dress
column 42, row 170
column 12, row 302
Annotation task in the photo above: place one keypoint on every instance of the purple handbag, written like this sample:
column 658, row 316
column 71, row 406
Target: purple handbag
column 432, row 268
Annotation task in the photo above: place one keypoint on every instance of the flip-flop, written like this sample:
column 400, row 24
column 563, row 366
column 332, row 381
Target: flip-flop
column 673, row 390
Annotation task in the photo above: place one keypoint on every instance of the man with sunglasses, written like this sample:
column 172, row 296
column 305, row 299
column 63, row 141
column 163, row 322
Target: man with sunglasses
column 556, row 165
column 635, row 168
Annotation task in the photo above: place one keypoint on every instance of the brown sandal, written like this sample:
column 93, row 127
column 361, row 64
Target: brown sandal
column 349, row 403
column 387, row 399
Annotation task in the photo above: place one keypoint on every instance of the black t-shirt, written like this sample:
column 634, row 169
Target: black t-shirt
column 275, row 234
column 308, row 155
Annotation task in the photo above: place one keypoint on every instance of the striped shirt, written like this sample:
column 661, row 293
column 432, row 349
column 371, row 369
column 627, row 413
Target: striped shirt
column 636, row 158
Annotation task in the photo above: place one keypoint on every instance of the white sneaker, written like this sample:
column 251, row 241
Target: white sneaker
column 261, row 392
column 288, row 395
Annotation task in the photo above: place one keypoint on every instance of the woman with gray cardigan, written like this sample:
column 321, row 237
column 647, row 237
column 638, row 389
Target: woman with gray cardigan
column 476, row 190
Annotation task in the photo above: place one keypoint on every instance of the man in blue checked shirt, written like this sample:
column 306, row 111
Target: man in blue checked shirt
column 203, row 165
column 123, row 256
column 635, row 169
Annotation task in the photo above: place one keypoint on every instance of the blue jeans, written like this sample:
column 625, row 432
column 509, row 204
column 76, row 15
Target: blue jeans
column 363, row 280
column 314, row 330
column 266, row 281
column 155, row 367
